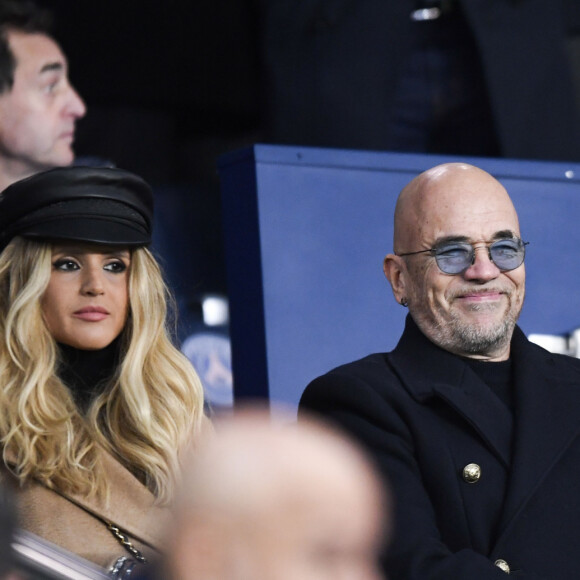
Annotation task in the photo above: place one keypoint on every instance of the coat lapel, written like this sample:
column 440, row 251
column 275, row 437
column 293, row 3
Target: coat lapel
column 428, row 371
column 544, row 425
column 483, row 410
column 130, row 506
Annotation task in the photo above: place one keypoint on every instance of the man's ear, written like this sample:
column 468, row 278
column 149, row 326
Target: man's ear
column 396, row 272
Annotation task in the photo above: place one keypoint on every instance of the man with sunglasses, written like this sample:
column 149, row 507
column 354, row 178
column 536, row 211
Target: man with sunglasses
column 476, row 429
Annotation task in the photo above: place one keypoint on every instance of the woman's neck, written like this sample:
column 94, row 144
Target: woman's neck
column 87, row 373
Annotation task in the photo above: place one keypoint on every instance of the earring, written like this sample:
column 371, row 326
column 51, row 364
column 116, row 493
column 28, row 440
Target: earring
column 404, row 302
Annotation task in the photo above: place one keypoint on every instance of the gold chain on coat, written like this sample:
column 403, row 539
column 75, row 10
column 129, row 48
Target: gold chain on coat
column 126, row 543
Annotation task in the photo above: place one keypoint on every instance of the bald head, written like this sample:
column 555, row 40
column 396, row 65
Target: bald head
column 435, row 194
column 276, row 503
column 461, row 211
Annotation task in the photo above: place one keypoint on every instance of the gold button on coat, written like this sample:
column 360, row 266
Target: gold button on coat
column 503, row 565
column 472, row 473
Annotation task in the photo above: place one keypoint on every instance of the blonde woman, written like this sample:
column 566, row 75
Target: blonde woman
column 95, row 401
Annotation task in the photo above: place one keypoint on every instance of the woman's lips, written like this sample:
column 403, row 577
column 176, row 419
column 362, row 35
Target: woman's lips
column 91, row 313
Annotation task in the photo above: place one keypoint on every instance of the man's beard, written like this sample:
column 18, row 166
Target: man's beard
column 460, row 335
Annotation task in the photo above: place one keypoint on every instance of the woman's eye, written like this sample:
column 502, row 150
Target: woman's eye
column 116, row 267
column 65, row 265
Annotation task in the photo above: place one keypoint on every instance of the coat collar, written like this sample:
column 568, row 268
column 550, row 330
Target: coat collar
column 130, row 505
column 428, row 371
column 547, row 388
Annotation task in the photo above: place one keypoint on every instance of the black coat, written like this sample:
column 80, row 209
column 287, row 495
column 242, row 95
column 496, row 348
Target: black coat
column 333, row 65
column 424, row 415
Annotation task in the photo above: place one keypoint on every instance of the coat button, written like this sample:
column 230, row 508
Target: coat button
column 472, row 473
column 503, row 565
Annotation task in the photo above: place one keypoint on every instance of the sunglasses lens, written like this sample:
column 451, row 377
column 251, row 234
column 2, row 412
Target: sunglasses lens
column 454, row 258
column 507, row 254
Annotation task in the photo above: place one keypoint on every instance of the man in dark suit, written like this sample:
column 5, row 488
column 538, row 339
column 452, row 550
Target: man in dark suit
column 476, row 428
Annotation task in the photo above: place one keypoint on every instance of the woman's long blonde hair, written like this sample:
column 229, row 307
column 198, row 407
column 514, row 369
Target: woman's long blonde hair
column 153, row 409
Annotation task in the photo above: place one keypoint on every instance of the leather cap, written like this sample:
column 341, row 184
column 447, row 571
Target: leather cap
column 101, row 205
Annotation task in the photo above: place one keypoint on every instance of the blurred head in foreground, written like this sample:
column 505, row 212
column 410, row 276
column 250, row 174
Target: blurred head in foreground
column 292, row 502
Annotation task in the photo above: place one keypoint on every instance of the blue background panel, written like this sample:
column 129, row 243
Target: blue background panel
column 306, row 233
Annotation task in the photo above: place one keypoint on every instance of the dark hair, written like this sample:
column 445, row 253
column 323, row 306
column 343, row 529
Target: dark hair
column 24, row 16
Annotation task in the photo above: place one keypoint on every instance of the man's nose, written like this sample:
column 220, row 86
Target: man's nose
column 75, row 105
column 483, row 267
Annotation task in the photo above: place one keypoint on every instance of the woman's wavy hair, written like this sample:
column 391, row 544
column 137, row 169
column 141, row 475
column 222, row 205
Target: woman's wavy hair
column 152, row 410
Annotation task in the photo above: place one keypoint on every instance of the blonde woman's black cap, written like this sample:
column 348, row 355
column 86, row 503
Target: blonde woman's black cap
column 101, row 205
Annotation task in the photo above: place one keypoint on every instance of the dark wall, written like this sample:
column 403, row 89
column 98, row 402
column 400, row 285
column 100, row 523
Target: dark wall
column 176, row 78
column 169, row 85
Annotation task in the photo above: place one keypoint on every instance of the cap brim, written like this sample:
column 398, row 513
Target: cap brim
column 90, row 230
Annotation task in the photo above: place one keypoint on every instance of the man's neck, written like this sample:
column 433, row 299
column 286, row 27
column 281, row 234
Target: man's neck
column 502, row 356
column 12, row 170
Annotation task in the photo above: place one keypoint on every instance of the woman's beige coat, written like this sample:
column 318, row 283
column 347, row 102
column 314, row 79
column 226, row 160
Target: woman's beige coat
column 79, row 524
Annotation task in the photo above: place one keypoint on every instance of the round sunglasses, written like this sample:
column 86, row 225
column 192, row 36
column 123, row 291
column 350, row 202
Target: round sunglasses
column 455, row 257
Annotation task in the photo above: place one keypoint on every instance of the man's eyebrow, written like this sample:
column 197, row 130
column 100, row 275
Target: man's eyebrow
column 502, row 234
column 450, row 240
column 52, row 66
